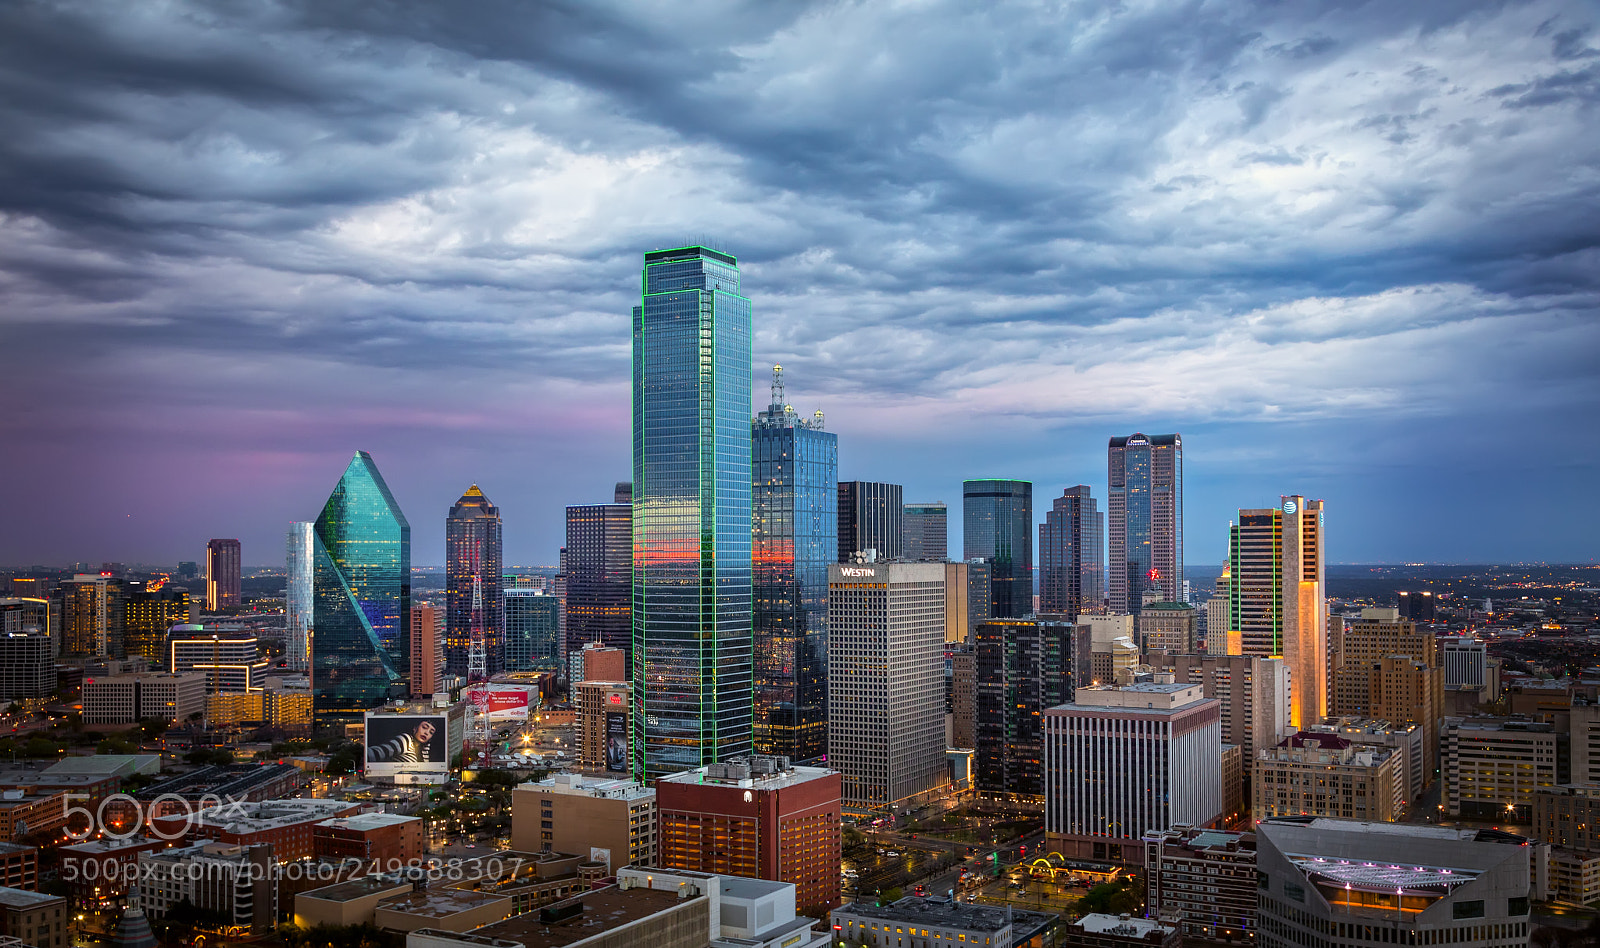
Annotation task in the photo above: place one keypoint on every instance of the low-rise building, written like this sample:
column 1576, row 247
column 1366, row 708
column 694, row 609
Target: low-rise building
column 27, row 813
column 97, row 872
column 207, row 786
column 237, row 881
column 382, row 842
column 1203, row 882
column 19, row 866
column 1120, row 931
column 1493, row 767
column 572, row 813
column 36, row 919
column 447, row 909
column 288, row 826
column 229, row 656
column 127, row 699
column 1566, row 816
column 1405, row 738
column 940, row 923
column 1314, row 774
column 1366, row 885
column 1574, row 876
column 352, row 902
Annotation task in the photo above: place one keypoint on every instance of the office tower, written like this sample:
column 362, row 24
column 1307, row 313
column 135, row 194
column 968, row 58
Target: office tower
column 223, row 564
column 622, row 493
column 1145, row 503
column 761, row 818
column 691, row 500
column 230, row 657
column 599, row 578
column 1072, row 555
column 966, row 598
column 361, row 598
column 870, row 519
column 1023, row 666
column 1278, row 599
column 997, row 521
column 532, row 641
column 794, row 521
column 962, row 702
column 299, row 558
column 608, row 820
column 1373, row 885
column 1105, row 632
column 91, row 609
column 1219, row 618
column 472, row 578
column 1492, row 767
column 1205, row 880
column 1166, row 627
column 925, row 533
column 1387, row 669
column 1465, row 661
column 601, row 663
column 188, row 569
column 1416, row 606
column 149, row 610
column 602, row 707
column 885, row 682
column 1252, row 692
column 1122, row 761
column 427, row 651
column 27, row 652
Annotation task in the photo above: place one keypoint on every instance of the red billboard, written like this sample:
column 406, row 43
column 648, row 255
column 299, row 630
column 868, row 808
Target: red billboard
column 501, row 704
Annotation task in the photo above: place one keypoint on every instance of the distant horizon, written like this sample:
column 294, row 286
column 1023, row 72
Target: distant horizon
column 1592, row 564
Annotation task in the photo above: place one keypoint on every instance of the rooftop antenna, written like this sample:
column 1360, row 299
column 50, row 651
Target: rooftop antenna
column 777, row 388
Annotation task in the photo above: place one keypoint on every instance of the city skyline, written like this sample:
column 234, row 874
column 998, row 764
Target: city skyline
column 1361, row 290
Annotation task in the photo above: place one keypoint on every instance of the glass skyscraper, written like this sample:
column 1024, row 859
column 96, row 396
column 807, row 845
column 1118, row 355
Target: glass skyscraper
column 531, row 617
column 599, row 570
column 997, row 524
column 1072, row 555
column 924, row 530
column 361, row 598
column 1145, row 507
column 472, row 548
column 794, row 468
column 691, row 513
column 300, row 555
column 870, row 516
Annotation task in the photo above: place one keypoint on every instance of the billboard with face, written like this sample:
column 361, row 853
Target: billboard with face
column 407, row 743
column 617, row 741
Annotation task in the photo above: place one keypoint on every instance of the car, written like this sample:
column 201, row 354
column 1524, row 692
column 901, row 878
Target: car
column 893, row 854
column 472, row 845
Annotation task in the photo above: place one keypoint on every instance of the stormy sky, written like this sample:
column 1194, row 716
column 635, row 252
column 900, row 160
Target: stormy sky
column 1347, row 249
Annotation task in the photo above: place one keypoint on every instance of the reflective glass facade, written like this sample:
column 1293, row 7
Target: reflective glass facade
column 924, row 533
column 794, row 468
column 998, row 526
column 691, row 513
column 532, row 620
column 1145, row 508
column 1072, row 555
column 870, row 519
column 300, row 553
column 361, row 598
column 472, row 548
column 599, row 568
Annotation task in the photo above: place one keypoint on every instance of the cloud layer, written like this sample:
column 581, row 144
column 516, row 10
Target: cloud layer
column 1348, row 249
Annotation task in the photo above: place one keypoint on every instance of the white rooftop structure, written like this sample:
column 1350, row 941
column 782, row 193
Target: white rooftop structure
column 1121, row 925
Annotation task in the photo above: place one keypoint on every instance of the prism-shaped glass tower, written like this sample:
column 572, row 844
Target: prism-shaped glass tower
column 361, row 598
column 691, row 513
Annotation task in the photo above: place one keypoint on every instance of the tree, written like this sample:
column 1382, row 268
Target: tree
column 117, row 745
column 209, row 755
column 1111, row 898
column 40, row 747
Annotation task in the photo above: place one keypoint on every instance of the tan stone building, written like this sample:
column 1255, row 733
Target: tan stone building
column 1493, row 768
column 1167, row 627
column 577, row 814
column 604, row 717
column 1313, row 774
column 1386, row 669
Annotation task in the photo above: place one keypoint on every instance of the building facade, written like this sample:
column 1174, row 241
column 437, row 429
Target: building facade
column 27, row 665
column 886, row 681
column 223, row 569
column 1122, row 761
column 361, row 591
column 794, row 536
column 1144, row 512
column 1278, row 599
column 1493, row 768
column 692, row 641
column 1204, row 882
column 1253, row 694
column 427, row 651
column 1167, row 627
column 91, row 610
column 532, row 630
column 236, row 882
column 869, row 519
column 1072, row 555
column 472, row 583
column 925, row 533
column 603, row 726
column 1339, row 882
column 599, row 571
column 1022, row 667
column 229, row 656
column 149, row 610
column 1317, row 774
column 299, row 592
column 997, row 526
column 761, row 818
column 570, row 813
column 125, row 699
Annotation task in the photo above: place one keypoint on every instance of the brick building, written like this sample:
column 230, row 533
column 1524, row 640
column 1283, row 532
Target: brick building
column 383, row 841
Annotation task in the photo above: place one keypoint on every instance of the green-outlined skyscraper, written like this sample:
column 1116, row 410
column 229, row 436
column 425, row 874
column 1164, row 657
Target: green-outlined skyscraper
column 361, row 598
column 691, row 513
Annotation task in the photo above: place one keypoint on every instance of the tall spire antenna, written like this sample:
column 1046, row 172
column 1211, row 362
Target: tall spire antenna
column 777, row 388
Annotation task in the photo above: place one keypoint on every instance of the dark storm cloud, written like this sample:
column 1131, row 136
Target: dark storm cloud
column 419, row 223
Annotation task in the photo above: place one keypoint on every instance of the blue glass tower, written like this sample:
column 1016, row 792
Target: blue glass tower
column 691, row 513
column 1145, row 509
column 361, row 598
column 532, row 625
column 795, row 524
column 997, row 525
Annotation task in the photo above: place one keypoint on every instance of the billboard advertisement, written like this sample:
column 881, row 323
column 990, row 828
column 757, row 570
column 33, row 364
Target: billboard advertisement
column 502, row 704
column 617, row 741
column 407, row 743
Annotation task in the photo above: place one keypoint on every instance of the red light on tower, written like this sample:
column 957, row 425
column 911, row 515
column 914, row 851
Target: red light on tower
column 1154, row 573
